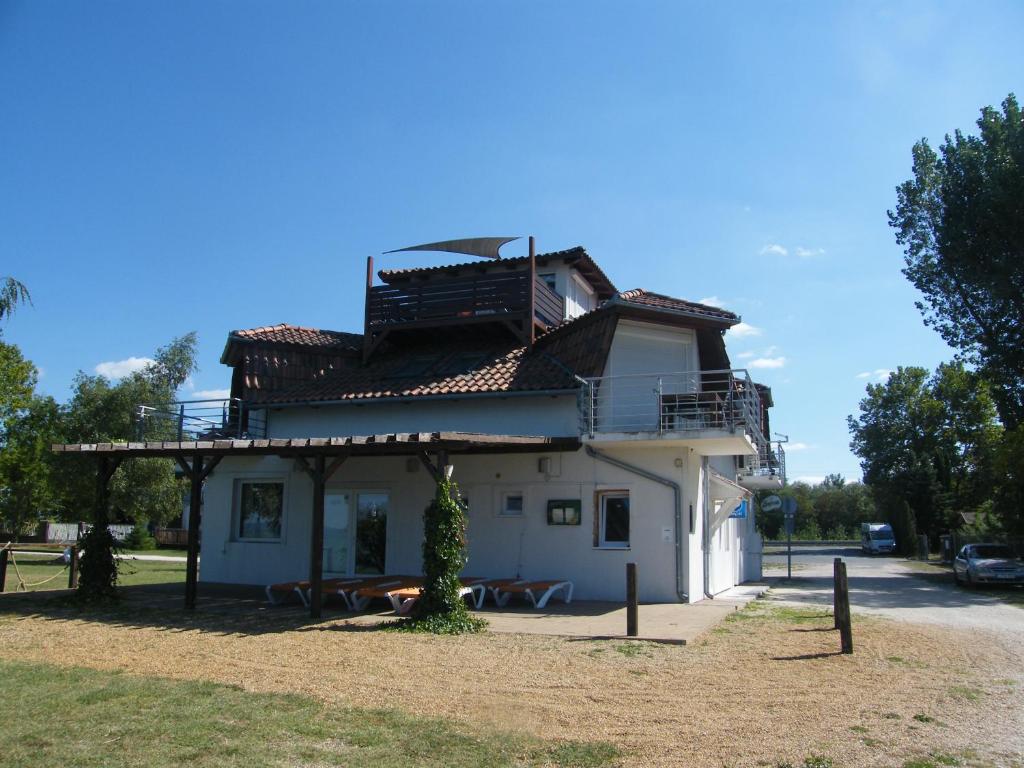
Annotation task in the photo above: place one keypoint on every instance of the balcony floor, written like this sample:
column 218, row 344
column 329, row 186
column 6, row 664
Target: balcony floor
column 707, row 442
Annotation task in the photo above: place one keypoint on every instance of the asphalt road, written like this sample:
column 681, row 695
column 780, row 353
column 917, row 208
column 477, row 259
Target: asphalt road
column 892, row 587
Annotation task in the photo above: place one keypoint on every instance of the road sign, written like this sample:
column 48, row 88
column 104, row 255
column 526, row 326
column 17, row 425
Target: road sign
column 789, row 507
column 790, row 523
column 771, row 503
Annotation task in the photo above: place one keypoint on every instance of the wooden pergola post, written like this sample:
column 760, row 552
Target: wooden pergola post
column 319, row 473
column 197, row 472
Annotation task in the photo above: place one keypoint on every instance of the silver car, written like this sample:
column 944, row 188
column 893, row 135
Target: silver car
column 987, row 564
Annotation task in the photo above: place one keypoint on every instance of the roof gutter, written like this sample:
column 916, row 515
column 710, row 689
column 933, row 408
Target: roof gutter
column 257, row 405
column 677, row 492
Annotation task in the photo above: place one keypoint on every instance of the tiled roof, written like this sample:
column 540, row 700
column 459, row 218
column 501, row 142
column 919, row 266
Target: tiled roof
column 640, row 297
column 444, row 369
column 283, row 333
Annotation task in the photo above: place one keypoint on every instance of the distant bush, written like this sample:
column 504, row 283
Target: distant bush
column 139, row 538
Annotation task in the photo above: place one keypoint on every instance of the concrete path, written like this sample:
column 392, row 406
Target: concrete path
column 892, row 587
column 130, row 556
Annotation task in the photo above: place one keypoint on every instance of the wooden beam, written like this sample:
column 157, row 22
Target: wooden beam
column 316, row 540
column 368, row 344
column 194, row 519
column 334, row 466
column 211, row 463
column 434, row 471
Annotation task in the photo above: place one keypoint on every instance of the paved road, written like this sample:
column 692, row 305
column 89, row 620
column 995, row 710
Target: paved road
column 889, row 586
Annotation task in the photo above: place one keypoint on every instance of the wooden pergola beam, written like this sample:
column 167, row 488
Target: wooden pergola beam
column 197, row 470
column 320, row 472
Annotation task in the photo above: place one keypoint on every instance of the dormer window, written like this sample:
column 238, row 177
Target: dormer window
column 580, row 297
column 549, row 280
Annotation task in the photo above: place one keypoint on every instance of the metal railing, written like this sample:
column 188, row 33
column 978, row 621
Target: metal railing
column 672, row 402
column 199, row 420
column 769, row 461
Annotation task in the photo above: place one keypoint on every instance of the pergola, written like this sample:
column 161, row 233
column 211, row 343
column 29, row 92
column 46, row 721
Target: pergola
column 320, row 457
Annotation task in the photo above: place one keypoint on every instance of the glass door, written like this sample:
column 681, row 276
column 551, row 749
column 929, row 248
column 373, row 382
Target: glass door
column 337, row 532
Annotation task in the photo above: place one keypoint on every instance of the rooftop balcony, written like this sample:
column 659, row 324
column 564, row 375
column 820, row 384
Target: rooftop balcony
column 719, row 410
column 482, row 298
column 226, row 419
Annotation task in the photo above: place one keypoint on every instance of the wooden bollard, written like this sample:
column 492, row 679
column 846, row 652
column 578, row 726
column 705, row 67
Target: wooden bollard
column 73, row 568
column 632, row 610
column 835, row 590
column 3, row 567
column 845, row 625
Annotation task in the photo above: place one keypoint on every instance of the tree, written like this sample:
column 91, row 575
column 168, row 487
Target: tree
column 28, row 424
column 928, row 442
column 12, row 293
column 103, row 411
column 961, row 222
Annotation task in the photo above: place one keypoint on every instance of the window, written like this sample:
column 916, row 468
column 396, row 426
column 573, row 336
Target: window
column 613, row 523
column 511, row 504
column 260, row 510
column 549, row 280
column 564, row 512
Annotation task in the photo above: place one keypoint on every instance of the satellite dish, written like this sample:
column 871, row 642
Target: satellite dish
column 484, row 247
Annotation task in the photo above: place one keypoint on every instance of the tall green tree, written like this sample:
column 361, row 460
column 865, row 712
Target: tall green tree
column 104, row 411
column 28, row 424
column 961, row 222
column 927, row 441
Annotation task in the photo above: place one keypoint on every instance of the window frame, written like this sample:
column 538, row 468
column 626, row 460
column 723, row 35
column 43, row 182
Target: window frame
column 502, row 510
column 600, row 532
column 236, row 508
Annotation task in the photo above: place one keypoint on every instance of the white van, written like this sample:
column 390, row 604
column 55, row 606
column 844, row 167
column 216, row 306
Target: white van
column 876, row 538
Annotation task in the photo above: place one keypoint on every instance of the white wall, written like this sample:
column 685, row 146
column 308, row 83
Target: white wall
column 498, row 547
column 539, row 415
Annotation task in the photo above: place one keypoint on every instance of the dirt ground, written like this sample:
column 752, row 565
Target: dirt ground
column 764, row 688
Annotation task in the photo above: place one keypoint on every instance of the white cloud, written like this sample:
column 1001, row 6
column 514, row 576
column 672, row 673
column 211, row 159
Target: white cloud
column 743, row 330
column 746, row 355
column 713, row 301
column 879, row 374
column 116, row 369
column 790, row 447
column 210, row 394
column 767, row 362
column 774, row 249
column 809, row 253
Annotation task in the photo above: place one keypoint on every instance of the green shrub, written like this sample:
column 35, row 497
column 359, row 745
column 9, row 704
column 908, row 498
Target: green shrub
column 139, row 538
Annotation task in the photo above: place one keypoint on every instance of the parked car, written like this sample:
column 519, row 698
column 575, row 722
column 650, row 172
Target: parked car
column 987, row 564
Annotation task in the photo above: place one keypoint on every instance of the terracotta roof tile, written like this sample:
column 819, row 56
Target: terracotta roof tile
column 395, row 373
column 283, row 333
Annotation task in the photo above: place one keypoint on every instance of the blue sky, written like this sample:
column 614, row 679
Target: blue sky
column 167, row 167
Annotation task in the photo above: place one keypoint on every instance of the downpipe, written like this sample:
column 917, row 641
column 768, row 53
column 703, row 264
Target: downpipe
column 706, row 526
column 677, row 492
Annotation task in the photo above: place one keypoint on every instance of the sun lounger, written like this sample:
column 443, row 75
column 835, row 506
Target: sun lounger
column 346, row 586
column 404, row 598
column 361, row 596
column 278, row 593
column 504, row 589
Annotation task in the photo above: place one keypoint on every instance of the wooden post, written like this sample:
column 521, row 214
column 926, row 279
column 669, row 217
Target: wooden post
column 835, row 591
column 194, row 514
column 4, row 553
column 632, row 617
column 367, row 338
column 72, row 569
column 316, row 540
column 845, row 626
column 533, row 294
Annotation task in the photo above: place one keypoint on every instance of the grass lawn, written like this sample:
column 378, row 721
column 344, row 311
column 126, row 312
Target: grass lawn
column 132, row 572
column 113, row 719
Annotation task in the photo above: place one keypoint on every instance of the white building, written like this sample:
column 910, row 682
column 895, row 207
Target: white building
column 646, row 441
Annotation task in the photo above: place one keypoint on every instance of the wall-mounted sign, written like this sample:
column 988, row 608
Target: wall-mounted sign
column 771, row 503
column 740, row 512
column 564, row 511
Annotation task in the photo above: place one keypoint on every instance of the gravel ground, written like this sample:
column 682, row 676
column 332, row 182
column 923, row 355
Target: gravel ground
column 761, row 689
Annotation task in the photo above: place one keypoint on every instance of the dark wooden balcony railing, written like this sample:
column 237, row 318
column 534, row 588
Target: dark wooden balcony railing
column 475, row 297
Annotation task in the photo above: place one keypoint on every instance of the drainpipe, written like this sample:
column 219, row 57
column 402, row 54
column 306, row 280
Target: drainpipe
column 706, row 526
column 677, row 491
